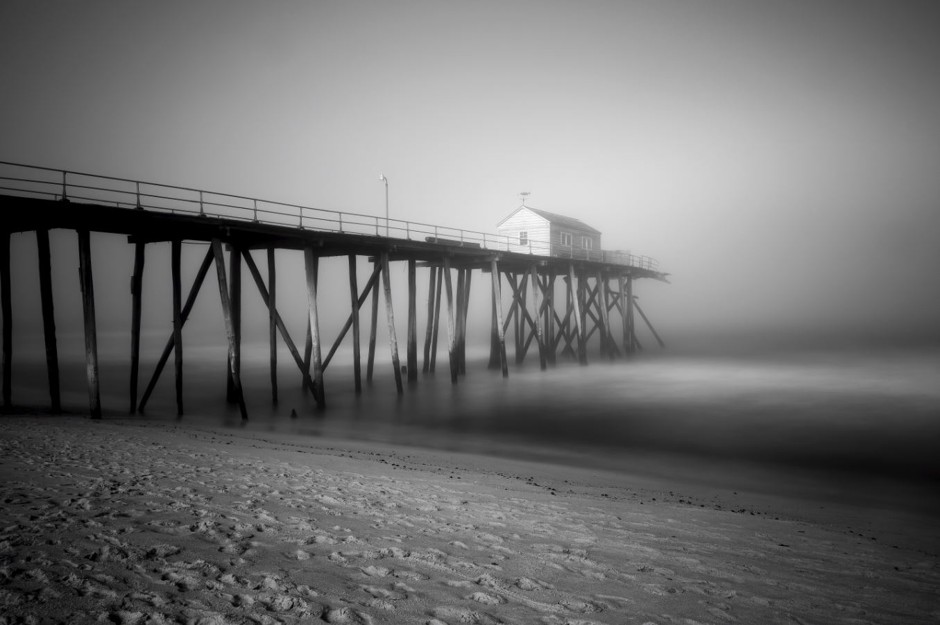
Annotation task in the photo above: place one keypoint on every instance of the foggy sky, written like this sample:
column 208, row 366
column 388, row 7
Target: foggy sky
column 779, row 159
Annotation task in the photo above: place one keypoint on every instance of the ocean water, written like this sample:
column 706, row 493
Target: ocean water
column 860, row 420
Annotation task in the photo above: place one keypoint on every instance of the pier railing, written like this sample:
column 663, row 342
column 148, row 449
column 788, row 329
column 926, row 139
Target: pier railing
column 79, row 187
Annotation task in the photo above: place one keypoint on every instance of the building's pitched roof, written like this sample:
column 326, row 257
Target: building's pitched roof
column 559, row 220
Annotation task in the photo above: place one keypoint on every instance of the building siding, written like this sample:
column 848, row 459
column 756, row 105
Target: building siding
column 537, row 228
column 545, row 237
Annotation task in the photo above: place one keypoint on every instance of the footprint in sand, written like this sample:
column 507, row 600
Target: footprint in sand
column 376, row 571
column 449, row 614
column 346, row 615
column 485, row 598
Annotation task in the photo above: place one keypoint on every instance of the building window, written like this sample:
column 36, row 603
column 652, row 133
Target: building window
column 523, row 238
column 587, row 243
column 566, row 239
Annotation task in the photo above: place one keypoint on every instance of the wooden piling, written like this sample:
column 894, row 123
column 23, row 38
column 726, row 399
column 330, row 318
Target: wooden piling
column 589, row 301
column 537, row 296
column 390, row 314
column 564, row 325
column 306, row 380
column 609, row 304
column 412, row 323
column 437, row 317
column 88, row 310
column 354, row 315
column 550, row 316
column 430, row 325
column 464, row 325
column 607, row 341
column 229, row 326
column 649, row 325
column 285, row 335
column 311, row 265
column 459, row 320
column 451, row 338
column 175, row 253
column 272, row 320
column 576, row 292
column 48, row 318
column 184, row 314
column 493, row 362
column 498, row 316
column 515, row 316
column 137, row 282
column 373, row 328
column 357, row 304
column 235, row 271
column 6, row 303
column 629, row 330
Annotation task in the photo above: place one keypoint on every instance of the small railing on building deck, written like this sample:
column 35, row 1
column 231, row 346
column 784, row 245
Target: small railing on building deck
column 44, row 182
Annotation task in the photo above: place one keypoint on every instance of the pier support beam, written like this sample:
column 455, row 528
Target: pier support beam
column 355, row 304
column 91, row 335
column 390, row 314
column 171, row 342
column 438, row 294
column 649, row 325
column 306, row 380
column 451, row 338
column 550, row 314
column 229, row 326
column 500, row 335
column 291, row 346
column 537, row 296
column 137, row 282
column 48, row 318
column 466, row 312
column 603, row 303
column 460, row 320
column 611, row 302
column 235, row 271
column 311, row 265
column 6, row 304
column 629, row 331
column 425, row 367
column 495, row 307
column 412, row 323
column 175, row 253
column 373, row 327
column 576, row 293
column 272, row 320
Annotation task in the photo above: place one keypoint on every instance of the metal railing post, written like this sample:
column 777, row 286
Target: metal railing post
column 202, row 209
column 340, row 216
column 65, row 196
column 139, row 206
column 255, row 214
column 300, row 217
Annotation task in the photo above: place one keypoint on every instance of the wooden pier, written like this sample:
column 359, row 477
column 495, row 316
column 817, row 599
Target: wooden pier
column 598, row 287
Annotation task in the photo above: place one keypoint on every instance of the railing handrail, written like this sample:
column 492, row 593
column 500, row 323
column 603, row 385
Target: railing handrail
column 315, row 217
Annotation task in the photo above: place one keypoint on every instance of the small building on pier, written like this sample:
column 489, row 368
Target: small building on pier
column 534, row 231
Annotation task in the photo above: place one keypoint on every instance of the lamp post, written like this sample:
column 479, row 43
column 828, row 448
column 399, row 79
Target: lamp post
column 385, row 180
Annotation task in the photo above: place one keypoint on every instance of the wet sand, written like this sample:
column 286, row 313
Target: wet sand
column 131, row 521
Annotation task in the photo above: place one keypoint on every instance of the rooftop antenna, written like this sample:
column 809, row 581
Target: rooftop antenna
column 524, row 195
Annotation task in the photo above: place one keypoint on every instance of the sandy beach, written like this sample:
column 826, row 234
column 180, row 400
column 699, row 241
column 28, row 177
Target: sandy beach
column 135, row 521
